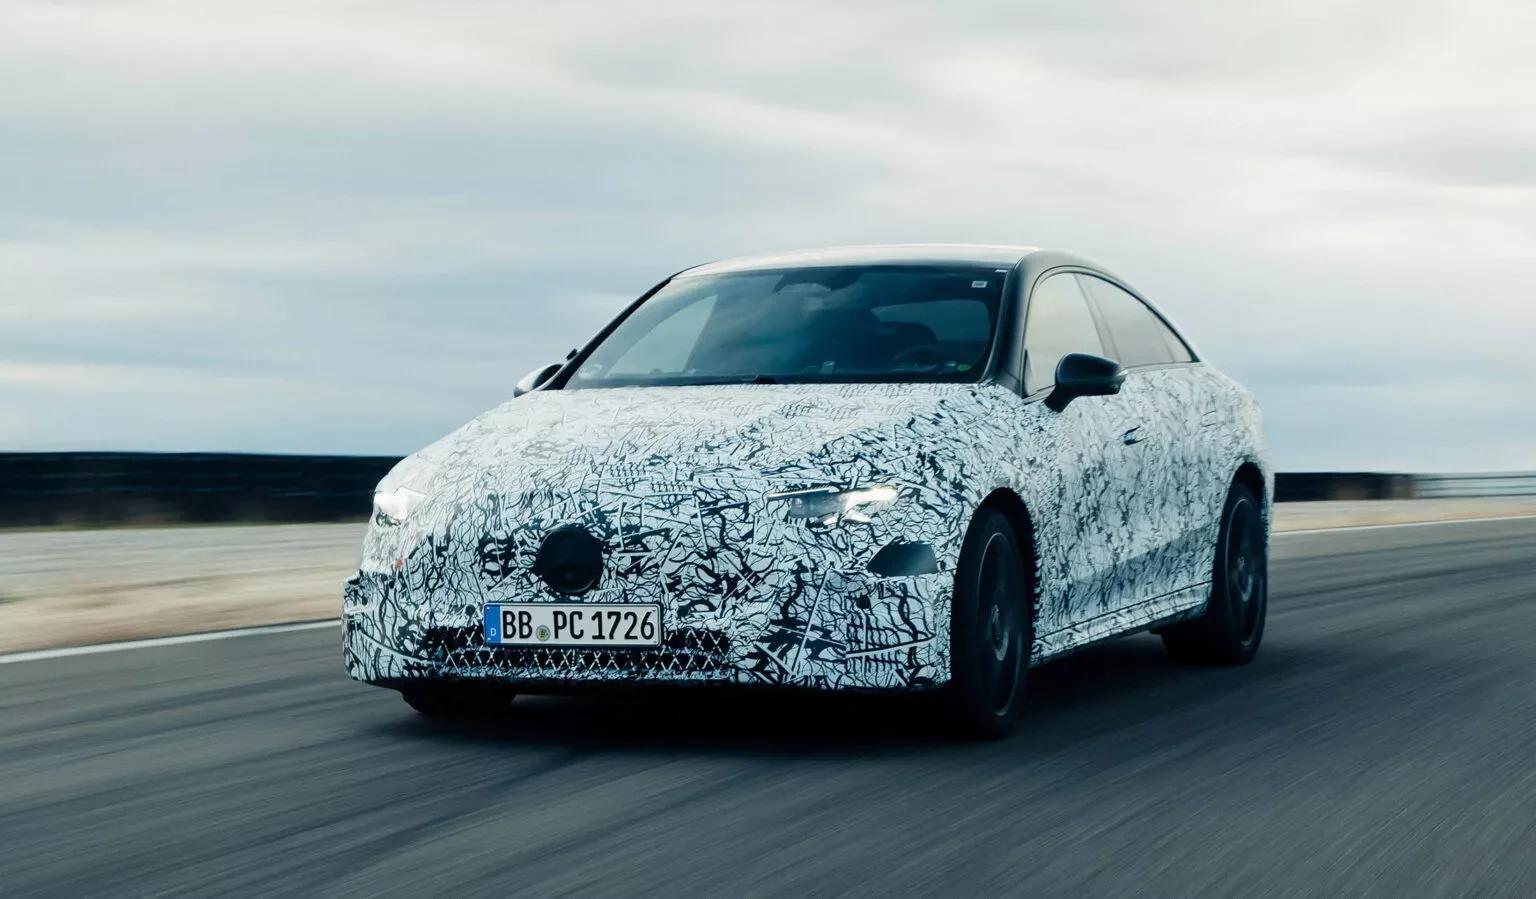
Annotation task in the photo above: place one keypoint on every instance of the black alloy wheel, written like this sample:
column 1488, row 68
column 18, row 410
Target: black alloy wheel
column 991, row 630
column 1232, row 627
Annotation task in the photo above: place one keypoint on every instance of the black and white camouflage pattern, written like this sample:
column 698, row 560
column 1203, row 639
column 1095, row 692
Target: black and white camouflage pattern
column 674, row 481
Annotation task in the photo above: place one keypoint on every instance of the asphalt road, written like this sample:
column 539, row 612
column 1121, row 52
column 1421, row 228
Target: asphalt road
column 1384, row 743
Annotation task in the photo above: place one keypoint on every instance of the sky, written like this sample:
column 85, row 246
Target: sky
column 346, row 227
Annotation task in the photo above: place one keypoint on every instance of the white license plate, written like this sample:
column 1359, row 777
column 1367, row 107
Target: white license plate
column 550, row 624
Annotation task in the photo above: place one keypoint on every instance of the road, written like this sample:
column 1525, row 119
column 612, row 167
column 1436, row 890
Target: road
column 1383, row 744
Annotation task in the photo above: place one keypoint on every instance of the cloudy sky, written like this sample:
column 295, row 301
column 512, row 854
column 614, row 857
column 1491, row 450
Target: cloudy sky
column 349, row 226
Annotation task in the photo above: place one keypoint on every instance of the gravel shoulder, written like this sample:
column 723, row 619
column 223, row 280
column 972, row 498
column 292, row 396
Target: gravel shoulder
column 62, row 588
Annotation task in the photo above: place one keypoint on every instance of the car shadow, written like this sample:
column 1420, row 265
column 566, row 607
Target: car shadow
column 1108, row 687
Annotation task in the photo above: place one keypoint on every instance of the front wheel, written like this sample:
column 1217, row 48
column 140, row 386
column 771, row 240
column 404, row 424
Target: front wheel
column 990, row 630
column 1232, row 627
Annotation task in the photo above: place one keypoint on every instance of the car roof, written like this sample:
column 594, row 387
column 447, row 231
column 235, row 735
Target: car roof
column 882, row 254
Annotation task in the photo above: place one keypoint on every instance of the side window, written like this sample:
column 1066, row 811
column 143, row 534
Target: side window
column 1176, row 345
column 1059, row 323
column 1140, row 336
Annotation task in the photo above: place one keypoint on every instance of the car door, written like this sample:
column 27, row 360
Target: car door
column 1166, row 440
column 1080, row 448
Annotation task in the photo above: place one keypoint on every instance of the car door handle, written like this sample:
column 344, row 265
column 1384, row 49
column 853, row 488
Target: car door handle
column 1132, row 436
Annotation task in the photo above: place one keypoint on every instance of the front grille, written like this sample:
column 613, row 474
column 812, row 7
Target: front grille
column 690, row 651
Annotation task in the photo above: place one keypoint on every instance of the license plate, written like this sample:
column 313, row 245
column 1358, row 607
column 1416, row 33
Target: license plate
column 549, row 624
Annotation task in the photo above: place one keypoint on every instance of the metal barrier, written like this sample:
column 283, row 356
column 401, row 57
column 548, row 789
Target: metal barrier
column 87, row 489
column 1490, row 484
column 1316, row 486
column 93, row 489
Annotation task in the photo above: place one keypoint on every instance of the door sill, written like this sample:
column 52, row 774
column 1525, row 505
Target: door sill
column 1149, row 613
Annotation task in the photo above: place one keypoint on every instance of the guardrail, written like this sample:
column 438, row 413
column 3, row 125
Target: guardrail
column 1491, row 484
column 93, row 489
column 1313, row 486
column 98, row 489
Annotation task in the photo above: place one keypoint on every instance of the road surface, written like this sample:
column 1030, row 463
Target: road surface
column 1384, row 743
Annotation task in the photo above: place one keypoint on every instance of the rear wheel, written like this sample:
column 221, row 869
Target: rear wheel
column 1232, row 627
column 458, row 700
column 990, row 630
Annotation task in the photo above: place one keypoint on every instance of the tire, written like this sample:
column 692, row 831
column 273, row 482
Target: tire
column 1230, row 630
column 991, row 630
column 458, row 700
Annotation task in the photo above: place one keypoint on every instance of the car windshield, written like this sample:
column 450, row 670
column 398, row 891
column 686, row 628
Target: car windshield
column 820, row 324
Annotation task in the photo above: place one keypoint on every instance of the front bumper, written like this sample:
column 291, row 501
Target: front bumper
column 842, row 630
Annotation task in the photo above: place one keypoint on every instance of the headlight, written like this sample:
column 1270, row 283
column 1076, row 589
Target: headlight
column 392, row 507
column 831, row 505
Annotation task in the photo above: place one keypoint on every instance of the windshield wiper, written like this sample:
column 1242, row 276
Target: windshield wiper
column 765, row 379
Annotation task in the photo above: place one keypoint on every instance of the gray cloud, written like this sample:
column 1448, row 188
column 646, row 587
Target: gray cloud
column 1494, row 147
column 304, row 226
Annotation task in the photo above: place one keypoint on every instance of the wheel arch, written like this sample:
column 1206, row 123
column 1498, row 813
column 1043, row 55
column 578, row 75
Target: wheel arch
column 1250, row 476
column 1013, row 508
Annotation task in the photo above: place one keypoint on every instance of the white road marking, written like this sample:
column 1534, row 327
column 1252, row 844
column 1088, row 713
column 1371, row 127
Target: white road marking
column 1400, row 524
column 93, row 649
column 66, row 651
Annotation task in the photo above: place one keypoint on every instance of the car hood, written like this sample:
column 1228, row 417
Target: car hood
column 789, row 435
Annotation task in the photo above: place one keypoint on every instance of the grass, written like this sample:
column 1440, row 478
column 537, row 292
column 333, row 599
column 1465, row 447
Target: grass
column 8, row 598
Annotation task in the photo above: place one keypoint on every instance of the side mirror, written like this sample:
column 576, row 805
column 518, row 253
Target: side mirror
column 535, row 379
column 1080, row 374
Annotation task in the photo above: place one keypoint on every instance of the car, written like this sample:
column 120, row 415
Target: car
column 899, row 468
